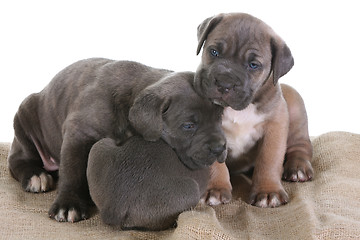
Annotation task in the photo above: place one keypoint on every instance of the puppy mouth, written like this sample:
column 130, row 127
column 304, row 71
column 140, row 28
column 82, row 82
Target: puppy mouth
column 220, row 102
column 236, row 105
column 236, row 97
column 200, row 165
column 193, row 164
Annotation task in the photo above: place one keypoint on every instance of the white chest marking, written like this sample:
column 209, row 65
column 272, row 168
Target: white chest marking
column 242, row 129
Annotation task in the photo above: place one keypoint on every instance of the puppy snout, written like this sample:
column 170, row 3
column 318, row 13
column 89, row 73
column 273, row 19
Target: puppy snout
column 217, row 148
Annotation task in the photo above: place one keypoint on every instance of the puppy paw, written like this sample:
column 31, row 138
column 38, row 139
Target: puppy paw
column 69, row 210
column 40, row 183
column 268, row 199
column 215, row 197
column 298, row 170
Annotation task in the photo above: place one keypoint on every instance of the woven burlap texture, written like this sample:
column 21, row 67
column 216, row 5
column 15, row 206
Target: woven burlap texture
column 326, row 208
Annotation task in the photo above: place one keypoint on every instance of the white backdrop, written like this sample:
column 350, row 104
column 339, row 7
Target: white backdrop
column 39, row 38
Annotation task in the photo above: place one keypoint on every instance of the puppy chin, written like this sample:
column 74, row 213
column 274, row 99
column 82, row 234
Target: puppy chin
column 192, row 163
column 236, row 103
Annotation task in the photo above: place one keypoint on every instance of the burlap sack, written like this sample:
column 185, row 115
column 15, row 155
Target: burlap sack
column 326, row 208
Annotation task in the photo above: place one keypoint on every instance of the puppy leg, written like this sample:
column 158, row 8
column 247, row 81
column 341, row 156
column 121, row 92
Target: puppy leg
column 25, row 163
column 266, row 189
column 73, row 199
column 219, row 187
column 297, row 167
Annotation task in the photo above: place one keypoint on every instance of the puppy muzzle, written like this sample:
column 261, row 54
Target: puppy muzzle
column 218, row 150
column 199, row 160
column 224, row 86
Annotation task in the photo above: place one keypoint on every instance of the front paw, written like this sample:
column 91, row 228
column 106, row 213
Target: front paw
column 216, row 196
column 298, row 170
column 268, row 199
column 39, row 183
column 72, row 209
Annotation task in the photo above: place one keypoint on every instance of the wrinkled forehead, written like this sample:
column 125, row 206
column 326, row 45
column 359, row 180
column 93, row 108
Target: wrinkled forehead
column 242, row 23
column 188, row 104
column 241, row 29
column 182, row 110
column 240, row 33
column 189, row 99
column 183, row 97
column 180, row 87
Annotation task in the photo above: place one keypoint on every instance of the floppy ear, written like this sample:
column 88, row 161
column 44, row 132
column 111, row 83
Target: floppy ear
column 145, row 115
column 205, row 28
column 282, row 59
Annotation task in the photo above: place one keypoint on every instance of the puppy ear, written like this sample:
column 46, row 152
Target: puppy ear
column 145, row 115
column 282, row 59
column 205, row 28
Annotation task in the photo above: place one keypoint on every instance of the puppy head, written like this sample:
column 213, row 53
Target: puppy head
column 240, row 53
column 171, row 109
column 146, row 114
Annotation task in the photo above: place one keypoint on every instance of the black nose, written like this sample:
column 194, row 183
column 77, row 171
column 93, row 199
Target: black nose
column 217, row 148
column 224, row 87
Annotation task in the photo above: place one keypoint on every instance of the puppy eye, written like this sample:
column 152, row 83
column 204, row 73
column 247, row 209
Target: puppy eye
column 189, row 126
column 214, row 53
column 254, row 65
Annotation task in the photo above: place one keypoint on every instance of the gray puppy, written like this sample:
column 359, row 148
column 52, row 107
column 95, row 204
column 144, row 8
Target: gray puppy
column 98, row 98
column 141, row 184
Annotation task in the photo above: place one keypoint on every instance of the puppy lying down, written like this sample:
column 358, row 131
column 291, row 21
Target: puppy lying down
column 141, row 184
